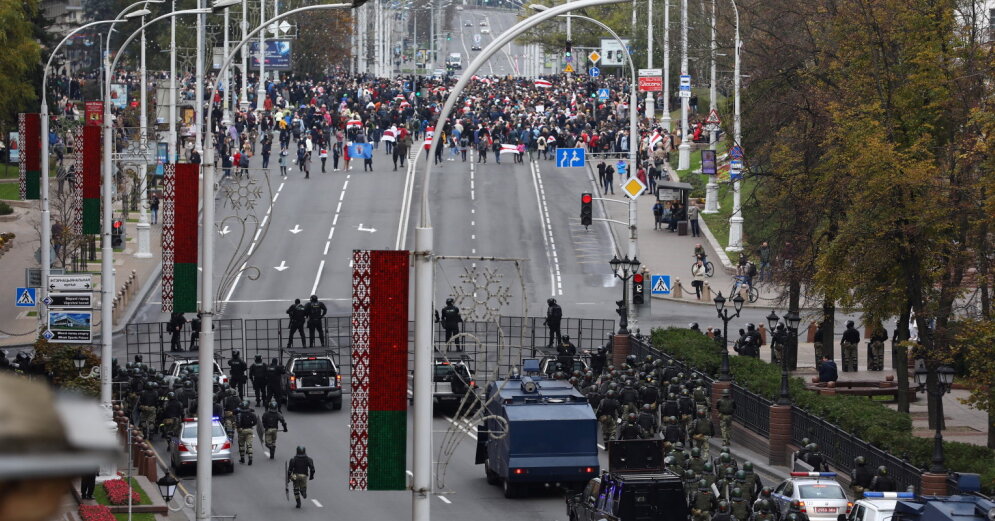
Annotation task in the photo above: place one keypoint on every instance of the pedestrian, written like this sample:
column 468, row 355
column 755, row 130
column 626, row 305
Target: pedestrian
column 87, row 484
column 450, row 319
column 554, row 313
column 657, row 214
column 245, row 420
column 464, row 143
column 175, row 325
column 336, row 155
column 848, row 346
column 698, row 277
column 368, row 161
column 315, row 312
column 323, row 155
column 763, row 253
column 482, row 148
column 609, row 176
column 271, row 420
column 297, row 313
column 267, row 149
column 283, row 162
column 300, row 470
column 307, row 164
column 154, row 208
column 692, row 214
column 827, row 370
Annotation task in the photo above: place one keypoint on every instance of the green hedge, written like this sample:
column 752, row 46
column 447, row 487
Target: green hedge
column 869, row 420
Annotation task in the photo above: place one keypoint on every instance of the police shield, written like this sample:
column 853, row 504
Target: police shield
column 286, row 480
column 259, row 430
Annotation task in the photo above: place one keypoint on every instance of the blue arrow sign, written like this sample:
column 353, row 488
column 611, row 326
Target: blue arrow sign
column 570, row 157
column 594, row 72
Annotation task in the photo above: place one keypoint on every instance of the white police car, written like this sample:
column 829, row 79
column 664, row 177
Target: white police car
column 876, row 506
column 819, row 495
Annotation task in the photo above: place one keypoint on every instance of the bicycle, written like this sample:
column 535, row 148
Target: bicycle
column 709, row 267
column 753, row 294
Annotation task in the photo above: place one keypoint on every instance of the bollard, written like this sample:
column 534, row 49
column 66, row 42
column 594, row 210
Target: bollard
column 706, row 292
column 676, row 288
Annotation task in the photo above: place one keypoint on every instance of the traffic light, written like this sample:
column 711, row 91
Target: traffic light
column 569, row 50
column 637, row 288
column 117, row 235
column 449, row 36
column 586, row 210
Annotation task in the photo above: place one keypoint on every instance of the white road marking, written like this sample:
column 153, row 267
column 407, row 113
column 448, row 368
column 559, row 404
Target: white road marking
column 282, row 266
column 265, row 218
column 252, row 247
column 335, row 220
column 296, row 229
column 555, row 281
column 331, row 232
column 600, row 446
column 444, row 499
column 465, row 429
column 327, row 244
column 276, row 196
column 408, row 472
column 317, row 504
column 339, row 207
column 317, row 278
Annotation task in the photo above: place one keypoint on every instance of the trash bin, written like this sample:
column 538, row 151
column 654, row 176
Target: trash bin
column 682, row 227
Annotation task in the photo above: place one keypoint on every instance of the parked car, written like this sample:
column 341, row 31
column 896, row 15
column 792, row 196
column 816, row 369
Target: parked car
column 312, row 378
column 822, row 497
column 183, row 448
column 192, row 364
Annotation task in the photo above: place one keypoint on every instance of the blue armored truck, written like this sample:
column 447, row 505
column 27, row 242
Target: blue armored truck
column 537, row 432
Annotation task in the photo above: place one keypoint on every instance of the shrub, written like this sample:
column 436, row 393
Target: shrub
column 5, row 209
column 869, row 420
column 95, row 513
column 117, row 492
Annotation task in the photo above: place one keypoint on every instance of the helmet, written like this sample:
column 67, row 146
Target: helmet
column 564, row 338
column 170, row 395
column 748, row 467
column 725, row 458
column 649, row 358
column 702, row 484
column 275, row 361
column 736, row 493
column 882, row 471
column 679, row 446
column 693, row 325
column 764, row 505
column 701, row 413
column 707, row 467
column 766, row 492
column 805, row 442
column 751, row 326
column 859, row 461
column 728, row 473
column 740, row 475
column 236, row 354
column 449, row 301
column 725, row 392
column 245, row 403
column 272, row 405
column 610, row 393
column 696, row 452
column 301, row 451
column 812, row 447
column 632, row 417
column 724, row 505
column 647, row 407
column 601, row 350
column 314, row 298
column 138, row 358
column 849, row 323
column 551, row 301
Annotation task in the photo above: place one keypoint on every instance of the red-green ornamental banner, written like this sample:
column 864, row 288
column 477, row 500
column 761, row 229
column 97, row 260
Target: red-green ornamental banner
column 378, row 434
column 92, row 145
column 29, row 128
column 179, row 202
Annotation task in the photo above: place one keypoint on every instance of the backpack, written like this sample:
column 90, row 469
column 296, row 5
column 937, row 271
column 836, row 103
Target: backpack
column 751, row 269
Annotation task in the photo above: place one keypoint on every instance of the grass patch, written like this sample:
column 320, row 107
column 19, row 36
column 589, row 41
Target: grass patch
column 135, row 517
column 718, row 223
column 10, row 191
column 32, row 313
column 100, row 496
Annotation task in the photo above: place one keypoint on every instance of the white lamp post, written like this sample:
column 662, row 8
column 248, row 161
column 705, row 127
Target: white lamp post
column 712, row 187
column 261, row 84
column 665, row 120
column 736, row 221
column 684, row 150
column 650, row 101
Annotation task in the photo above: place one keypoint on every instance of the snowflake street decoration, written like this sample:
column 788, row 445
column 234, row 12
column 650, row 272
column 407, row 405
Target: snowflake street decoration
column 480, row 295
column 242, row 192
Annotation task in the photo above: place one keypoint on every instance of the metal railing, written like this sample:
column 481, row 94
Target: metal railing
column 840, row 447
column 752, row 410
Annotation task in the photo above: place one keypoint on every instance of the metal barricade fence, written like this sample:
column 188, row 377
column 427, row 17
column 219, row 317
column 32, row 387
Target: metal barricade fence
column 752, row 410
column 840, row 447
column 153, row 340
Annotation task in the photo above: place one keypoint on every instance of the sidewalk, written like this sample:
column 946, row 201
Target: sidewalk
column 18, row 326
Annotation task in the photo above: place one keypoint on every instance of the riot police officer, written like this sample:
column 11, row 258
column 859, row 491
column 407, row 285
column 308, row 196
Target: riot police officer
column 257, row 374
column 297, row 313
column 882, row 482
column 701, row 430
column 245, row 420
column 607, row 411
column 450, row 319
column 274, row 383
column 315, row 313
column 726, row 407
column 148, row 402
column 860, row 477
column 172, row 414
column 848, row 345
column 237, row 369
column 554, row 313
column 703, row 502
column 598, row 361
column 300, row 470
column 271, row 420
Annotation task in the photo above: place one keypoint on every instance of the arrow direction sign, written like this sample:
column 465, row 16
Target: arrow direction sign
column 70, row 282
column 224, row 231
column 296, row 229
column 70, row 300
column 371, row 230
column 282, row 266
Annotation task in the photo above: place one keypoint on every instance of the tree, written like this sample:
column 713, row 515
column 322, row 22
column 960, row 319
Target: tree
column 20, row 59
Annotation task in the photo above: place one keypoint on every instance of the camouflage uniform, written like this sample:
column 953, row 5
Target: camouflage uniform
column 246, row 421
column 726, row 407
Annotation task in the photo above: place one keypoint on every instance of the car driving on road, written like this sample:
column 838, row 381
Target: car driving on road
column 183, row 448
column 312, row 378
column 820, row 496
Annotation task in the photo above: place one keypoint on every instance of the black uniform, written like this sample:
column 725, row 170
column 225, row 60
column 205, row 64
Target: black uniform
column 257, row 373
column 238, row 374
column 451, row 319
column 274, row 383
column 297, row 314
column 882, row 484
column 195, row 333
column 175, row 326
column 598, row 361
column 315, row 312
column 554, row 313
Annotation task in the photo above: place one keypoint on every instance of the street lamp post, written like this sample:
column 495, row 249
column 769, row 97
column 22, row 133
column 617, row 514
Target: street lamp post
column 720, row 308
column 736, row 221
column 793, row 320
column 650, row 101
column 712, row 186
column 684, row 150
column 144, row 239
column 945, row 380
column 261, row 84
column 46, row 214
column 624, row 269
column 665, row 120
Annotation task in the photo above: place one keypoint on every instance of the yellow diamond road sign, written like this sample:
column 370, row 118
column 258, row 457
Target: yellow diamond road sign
column 568, row 68
column 633, row 187
column 594, row 56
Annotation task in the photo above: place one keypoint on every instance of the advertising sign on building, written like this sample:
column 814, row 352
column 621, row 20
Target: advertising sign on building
column 651, row 80
column 277, row 54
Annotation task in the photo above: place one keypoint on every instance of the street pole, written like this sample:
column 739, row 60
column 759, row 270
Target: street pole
column 46, row 214
column 666, row 66
column 243, row 99
column 421, row 487
column 736, row 221
column 712, row 187
column 199, row 106
column 144, row 239
column 650, row 100
column 225, row 104
column 261, row 90
column 173, row 153
column 684, row 150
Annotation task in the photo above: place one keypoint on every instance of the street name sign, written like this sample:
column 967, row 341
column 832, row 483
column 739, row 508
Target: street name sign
column 70, row 282
column 69, row 300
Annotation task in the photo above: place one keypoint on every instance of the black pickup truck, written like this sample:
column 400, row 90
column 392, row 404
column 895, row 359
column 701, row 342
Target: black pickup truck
column 636, row 487
column 312, row 378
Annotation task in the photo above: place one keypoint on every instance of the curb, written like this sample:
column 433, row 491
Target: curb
column 138, row 299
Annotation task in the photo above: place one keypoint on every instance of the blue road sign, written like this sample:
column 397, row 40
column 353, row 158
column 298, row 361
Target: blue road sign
column 26, row 297
column 603, row 94
column 660, row 284
column 736, row 152
column 594, row 72
column 570, row 157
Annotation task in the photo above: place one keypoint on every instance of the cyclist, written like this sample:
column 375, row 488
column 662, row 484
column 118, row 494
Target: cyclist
column 699, row 252
column 745, row 272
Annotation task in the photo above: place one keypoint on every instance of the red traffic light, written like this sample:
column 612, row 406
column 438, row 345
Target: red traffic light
column 586, row 198
column 637, row 278
column 117, row 224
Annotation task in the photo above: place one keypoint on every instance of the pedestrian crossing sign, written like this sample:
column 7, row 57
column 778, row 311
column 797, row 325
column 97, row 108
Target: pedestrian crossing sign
column 26, row 297
column 660, row 284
